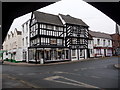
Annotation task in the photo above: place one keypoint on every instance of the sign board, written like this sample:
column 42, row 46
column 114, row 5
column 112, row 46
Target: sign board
column 53, row 42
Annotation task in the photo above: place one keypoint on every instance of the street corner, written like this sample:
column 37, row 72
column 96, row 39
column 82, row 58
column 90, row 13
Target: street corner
column 117, row 66
column 11, row 63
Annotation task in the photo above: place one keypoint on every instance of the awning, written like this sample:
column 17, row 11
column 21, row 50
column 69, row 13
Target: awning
column 2, row 51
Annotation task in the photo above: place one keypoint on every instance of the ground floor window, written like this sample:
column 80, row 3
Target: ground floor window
column 98, row 51
column 31, row 54
column 109, row 52
column 91, row 51
column 48, row 54
column 24, row 55
column 82, row 53
column 74, row 52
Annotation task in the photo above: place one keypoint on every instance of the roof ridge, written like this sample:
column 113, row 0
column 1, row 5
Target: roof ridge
column 99, row 32
column 46, row 13
column 70, row 16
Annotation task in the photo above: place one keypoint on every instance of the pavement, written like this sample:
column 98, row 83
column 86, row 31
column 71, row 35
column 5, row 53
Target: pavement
column 54, row 63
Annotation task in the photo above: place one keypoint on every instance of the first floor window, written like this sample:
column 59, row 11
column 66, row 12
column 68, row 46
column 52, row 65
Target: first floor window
column 26, row 40
column 23, row 41
column 53, row 41
column 59, row 41
column 108, row 42
column 98, row 41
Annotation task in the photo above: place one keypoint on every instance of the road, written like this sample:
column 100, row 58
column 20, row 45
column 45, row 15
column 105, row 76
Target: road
column 87, row 74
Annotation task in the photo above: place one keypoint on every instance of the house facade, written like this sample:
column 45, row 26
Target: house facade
column 116, row 41
column 57, row 37
column 76, row 37
column 25, row 40
column 102, row 44
column 13, row 46
column 46, row 38
column 90, row 47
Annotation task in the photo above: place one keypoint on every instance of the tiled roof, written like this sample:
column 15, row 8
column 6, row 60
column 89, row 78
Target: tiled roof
column 100, row 34
column 47, row 18
column 90, row 37
column 71, row 20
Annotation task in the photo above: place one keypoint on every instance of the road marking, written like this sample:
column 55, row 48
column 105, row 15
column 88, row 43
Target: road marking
column 95, row 77
column 83, row 68
column 75, row 83
column 66, row 73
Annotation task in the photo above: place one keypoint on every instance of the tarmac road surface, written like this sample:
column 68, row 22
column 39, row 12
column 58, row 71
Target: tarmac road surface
column 98, row 74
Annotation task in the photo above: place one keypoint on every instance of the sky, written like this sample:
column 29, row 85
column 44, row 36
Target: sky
column 95, row 19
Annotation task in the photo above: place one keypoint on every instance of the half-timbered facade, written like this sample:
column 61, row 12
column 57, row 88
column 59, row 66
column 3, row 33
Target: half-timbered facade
column 76, row 36
column 57, row 37
column 46, row 38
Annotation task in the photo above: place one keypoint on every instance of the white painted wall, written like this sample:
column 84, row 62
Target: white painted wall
column 13, row 44
column 107, row 44
column 90, row 47
column 19, row 54
column 25, row 34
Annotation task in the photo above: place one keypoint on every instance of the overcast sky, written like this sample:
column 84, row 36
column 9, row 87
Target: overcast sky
column 95, row 19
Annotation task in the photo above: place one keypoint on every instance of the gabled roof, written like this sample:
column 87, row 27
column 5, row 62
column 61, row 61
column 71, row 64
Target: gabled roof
column 99, row 34
column 47, row 18
column 71, row 20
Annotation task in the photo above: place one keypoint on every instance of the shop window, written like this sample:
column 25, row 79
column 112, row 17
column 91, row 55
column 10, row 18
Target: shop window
column 73, row 52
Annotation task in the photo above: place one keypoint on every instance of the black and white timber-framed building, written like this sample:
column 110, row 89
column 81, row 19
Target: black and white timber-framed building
column 57, row 37
column 76, row 36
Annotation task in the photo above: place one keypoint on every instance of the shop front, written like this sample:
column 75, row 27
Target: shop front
column 48, row 54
